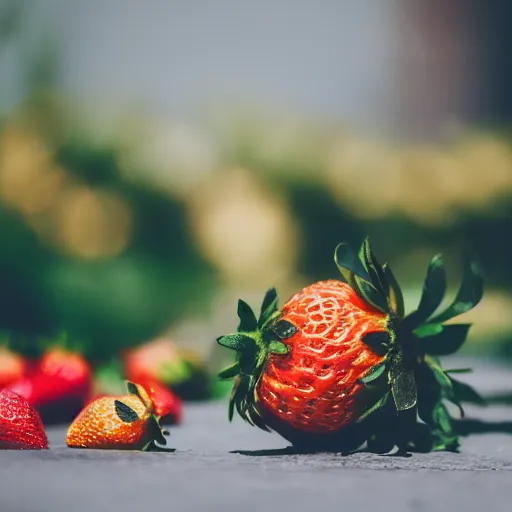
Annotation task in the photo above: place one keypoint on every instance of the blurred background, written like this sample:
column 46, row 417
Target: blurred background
column 160, row 159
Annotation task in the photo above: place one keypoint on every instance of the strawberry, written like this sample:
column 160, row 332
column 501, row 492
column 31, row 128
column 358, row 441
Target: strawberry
column 161, row 361
column 109, row 381
column 168, row 407
column 12, row 366
column 21, row 427
column 340, row 364
column 59, row 385
column 125, row 422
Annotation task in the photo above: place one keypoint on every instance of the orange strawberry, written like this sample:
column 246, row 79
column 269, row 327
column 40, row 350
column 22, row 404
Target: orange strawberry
column 21, row 428
column 126, row 422
column 340, row 364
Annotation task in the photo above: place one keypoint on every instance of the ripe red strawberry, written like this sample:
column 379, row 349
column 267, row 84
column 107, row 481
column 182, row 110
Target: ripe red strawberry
column 59, row 385
column 126, row 422
column 21, row 427
column 12, row 366
column 339, row 364
column 162, row 361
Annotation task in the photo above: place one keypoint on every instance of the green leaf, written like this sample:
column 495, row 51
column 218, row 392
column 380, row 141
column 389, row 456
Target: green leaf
column 448, row 341
column 239, row 342
column 395, row 296
column 152, row 447
column 248, row 322
column 155, row 430
column 374, row 269
column 442, row 418
column 465, row 393
column 442, row 379
column 349, row 264
column 285, row 329
column 374, row 373
column 374, row 408
column 470, row 292
column 132, row 388
column 379, row 342
column 231, row 407
column 268, row 307
column 370, row 294
column 403, row 385
column 278, row 347
column 459, row 370
column 434, row 289
column 426, row 330
column 230, row 372
column 126, row 413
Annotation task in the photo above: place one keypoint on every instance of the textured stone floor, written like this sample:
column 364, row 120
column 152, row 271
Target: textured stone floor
column 205, row 474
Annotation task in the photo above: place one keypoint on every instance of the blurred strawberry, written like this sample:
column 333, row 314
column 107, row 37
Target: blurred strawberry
column 161, row 361
column 21, row 427
column 59, row 385
column 167, row 405
column 12, row 366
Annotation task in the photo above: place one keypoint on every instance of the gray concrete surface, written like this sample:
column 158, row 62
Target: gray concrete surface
column 205, row 474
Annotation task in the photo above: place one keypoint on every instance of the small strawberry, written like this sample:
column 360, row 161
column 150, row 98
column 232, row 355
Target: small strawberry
column 340, row 364
column 12, row 366
column 59, row 385
column 21, row 427
column 108, row 380
column 161, row 360
column 125, row 422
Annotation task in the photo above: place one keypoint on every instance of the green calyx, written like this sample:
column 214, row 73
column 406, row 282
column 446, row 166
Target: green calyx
column 411, row 377
column 254, row 341
column 155, row 433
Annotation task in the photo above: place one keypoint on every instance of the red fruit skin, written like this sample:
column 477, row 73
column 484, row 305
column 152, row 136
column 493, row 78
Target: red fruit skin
column 21, row 427
column 58, row 387
column 315, row 388
column 12, row 367
column 168, row 407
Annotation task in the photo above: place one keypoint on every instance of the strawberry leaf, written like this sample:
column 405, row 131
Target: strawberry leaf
column 394, row 294
column 151, row 446
column 403, row 384
column 448, row 341
column 268, row 307
column 371, row 295
column 470, row 292
column 229, row 373
column 125, row 412
column 278, row 347
column 374, row 373
column 375, row 407
column 248, row 322
column 155, row 430
column 284, row 329
column 374, row 269
column 426, row 330
column 459, row 370
column 349, row 264
column 238, row 342
column 434, row 289
column 379, row 342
